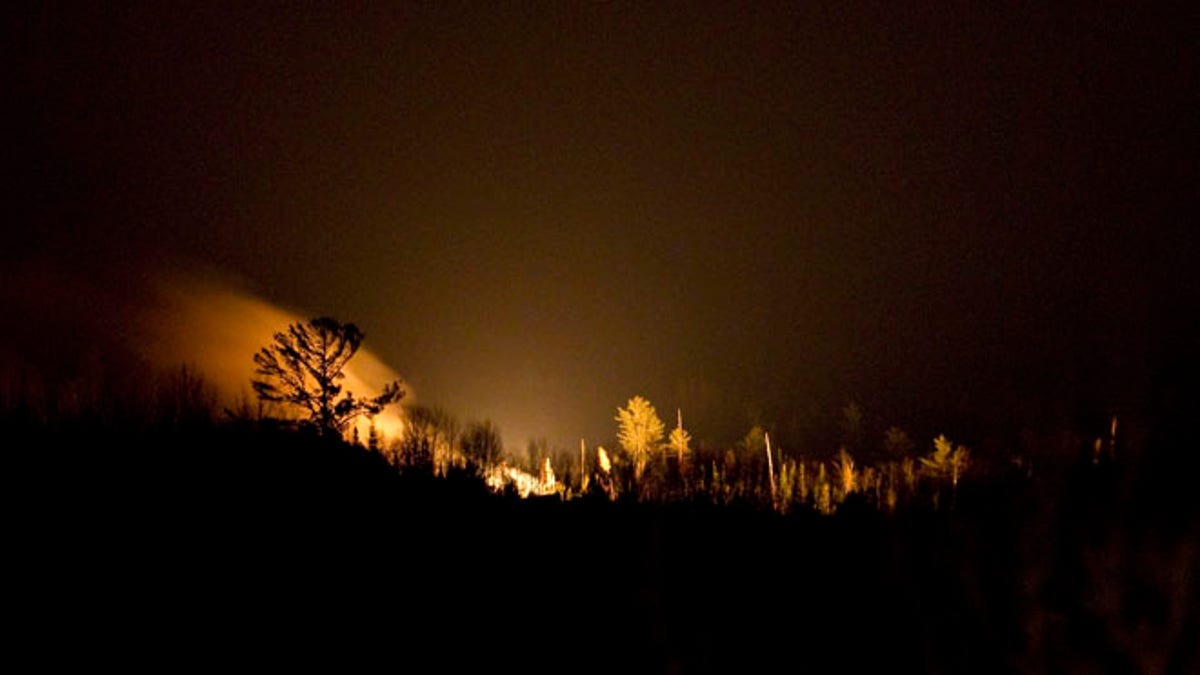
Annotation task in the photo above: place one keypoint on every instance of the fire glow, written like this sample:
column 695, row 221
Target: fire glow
column 217, row 329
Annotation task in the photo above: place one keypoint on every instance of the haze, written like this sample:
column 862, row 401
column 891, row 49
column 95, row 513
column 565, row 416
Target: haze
column 536, row 211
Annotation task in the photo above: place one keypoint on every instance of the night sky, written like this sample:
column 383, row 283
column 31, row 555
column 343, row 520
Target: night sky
column 535, row 211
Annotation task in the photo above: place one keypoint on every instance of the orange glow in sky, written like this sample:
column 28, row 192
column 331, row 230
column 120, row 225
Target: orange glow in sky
column 217, row 329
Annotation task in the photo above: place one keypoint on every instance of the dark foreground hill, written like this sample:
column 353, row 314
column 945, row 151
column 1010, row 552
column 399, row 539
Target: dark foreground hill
column 228, row 546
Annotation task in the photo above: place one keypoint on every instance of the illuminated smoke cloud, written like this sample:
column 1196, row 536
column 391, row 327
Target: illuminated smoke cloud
column 218, row 328
column 85, row 314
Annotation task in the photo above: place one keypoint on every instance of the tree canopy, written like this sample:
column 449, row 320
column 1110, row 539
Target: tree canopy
column 679, row 440
column 640, row 431
column 303, row 367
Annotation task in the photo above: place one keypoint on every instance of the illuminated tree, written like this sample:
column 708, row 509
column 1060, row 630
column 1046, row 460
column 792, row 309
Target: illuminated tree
column 303, row 368
column 640, row 432
column 958, row 463
column 678, row 444
column 946, row 462
column 938, row 463
column 679, row 439
column 848, row 477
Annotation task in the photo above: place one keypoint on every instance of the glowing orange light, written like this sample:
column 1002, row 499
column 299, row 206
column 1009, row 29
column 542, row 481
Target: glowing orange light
column 501, row 476
column 217, row 329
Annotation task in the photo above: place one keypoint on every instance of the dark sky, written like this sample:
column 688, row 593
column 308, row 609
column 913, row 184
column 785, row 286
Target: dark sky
column 538, row 210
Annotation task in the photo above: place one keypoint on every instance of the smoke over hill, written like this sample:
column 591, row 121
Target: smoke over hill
column 73, row 324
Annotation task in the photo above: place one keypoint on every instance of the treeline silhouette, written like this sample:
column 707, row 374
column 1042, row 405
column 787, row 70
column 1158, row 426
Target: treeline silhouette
column 154, row 527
